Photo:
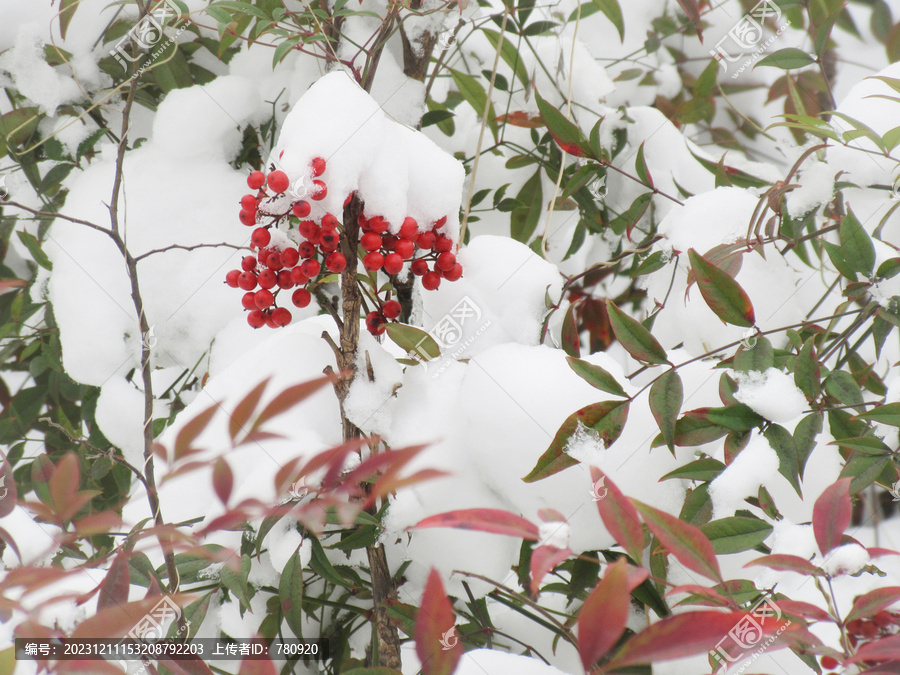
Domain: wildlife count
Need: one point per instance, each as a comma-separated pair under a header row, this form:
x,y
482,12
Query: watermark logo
x,y
747,35
894,490
448,333
302,188
4,489
748,341
4,193
598,188
599,489
148,339
147,34
748,634
449,639
298,490
446,38
152,626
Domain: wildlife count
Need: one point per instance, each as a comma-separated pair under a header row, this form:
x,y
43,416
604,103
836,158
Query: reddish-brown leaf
x,y
114,589
64,482
687,543
618,515
223,480
831,515
885,649
244,410
873,602
805,610
784,562
114,622
289,398
602,619
520,118
496,521
191,430
710,596
544,559
437,644
692,9
7,537
8,493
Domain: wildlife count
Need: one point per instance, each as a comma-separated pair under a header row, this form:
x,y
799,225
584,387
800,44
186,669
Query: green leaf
x,y
509,54
782,443
865,470
16,127
704,469
805,434
34,247
786,59
841,385
236,581
635,338
596,376
666,397
568,136
417,343
524,220
539,27
626,220
836,255
640,165
607,418
435,117
723,294
66,12
614,13
475,96
856,246
736,534
734,417
885,414
290,593
569,333
807,372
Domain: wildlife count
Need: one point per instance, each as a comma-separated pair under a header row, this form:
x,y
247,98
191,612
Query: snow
x,y
846,559
771,394
554,533
816,188
32,76
755,465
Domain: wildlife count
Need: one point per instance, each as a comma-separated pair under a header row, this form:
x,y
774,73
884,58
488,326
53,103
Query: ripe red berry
x,y
373,261
439,223
256,319
248,264
320,190
302,209
263,298
270,322
290,257
318,166
370,241
232,278
393,263
425,240
285,280
409,229
308,229
446,261
301,297
454,273
419,267
247,281
405,248
267,279
273,261
278,181
260,237
248,301
363,222
329,242
378,225
829,662
306,250
256,180
311,268
263,255
336,262
248,203
248,218
298,277
375,323
431,281
281,316
443,244
329,221
883,619
388,242
391,309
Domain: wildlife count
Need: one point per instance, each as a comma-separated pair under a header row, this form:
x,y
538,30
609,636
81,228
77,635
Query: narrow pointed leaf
x,y
544,559
856,245
483,520
618,515
784,562
684,541
635,338
723,294
223,480
437,645
190,431
873,602
596,376
566,134
831,515
666,397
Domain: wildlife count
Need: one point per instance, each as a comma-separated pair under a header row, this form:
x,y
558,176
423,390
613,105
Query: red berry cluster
x,y
265,275
882,624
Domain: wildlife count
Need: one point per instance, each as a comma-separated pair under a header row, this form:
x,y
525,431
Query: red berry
x,y
311,268
247,281
425,240
373,261
348,198
281,316
263,255
298,277
248,203
270,322
248,264
431,281
256,319
454,273
855,627
393,263
267,279
328,239
278,181
318,166
302,209
419,267
375,323
308,229
285,280
329,221
869,630
409,229
249,300
248,218
388,242
405,248
260,237
232,278
446,261
443,244
829,662
320,190
362,221
273,261
301,297
256,180
391,309
290,257
336,262
370,241
263,298
378,225
306,250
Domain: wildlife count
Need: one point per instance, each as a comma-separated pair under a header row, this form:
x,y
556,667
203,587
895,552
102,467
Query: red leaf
x,y
602,619
618,515
437,644
831,515
243,410
884,649
496,521
804,609
7,537
114,622
520,118
687,543
191,430
692,9
873,602
786,563
712,597
289,398
544,559
114,589
64,482
223,480
8,493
